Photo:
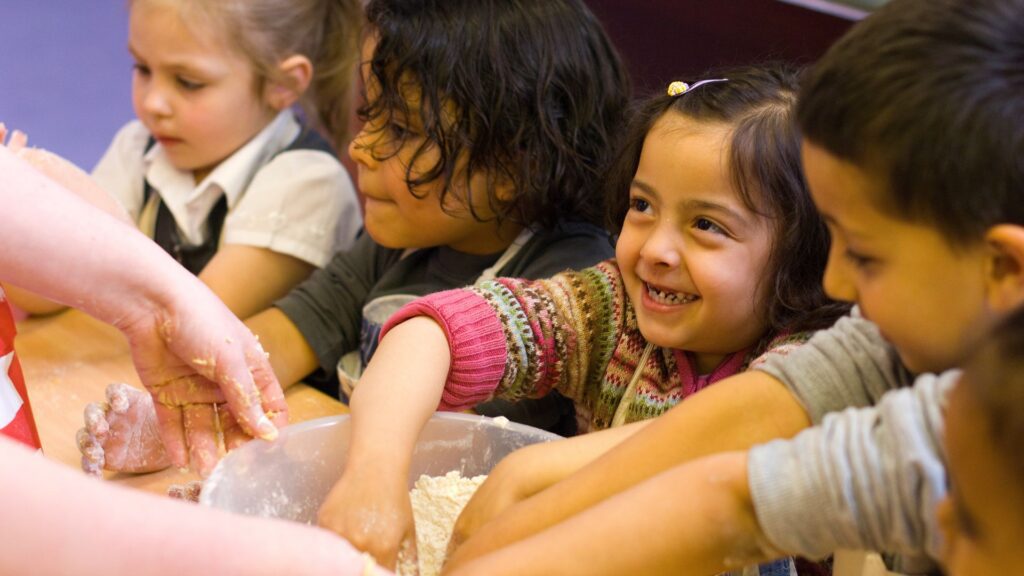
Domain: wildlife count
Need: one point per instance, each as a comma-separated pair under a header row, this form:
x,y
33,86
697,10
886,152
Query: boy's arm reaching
x,y
733,414
290,355
530,470
848,362
693,519
873,477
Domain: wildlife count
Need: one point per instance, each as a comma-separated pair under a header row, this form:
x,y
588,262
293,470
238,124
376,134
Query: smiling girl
x,y
718,263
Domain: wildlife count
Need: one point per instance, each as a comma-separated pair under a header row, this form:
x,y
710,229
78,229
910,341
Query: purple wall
x,y
66,73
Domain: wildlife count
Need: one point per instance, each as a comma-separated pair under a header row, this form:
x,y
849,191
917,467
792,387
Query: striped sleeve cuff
x,y
476,338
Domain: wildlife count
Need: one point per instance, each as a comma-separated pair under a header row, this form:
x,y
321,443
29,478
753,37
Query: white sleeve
x,y
121,170
301,203
867,478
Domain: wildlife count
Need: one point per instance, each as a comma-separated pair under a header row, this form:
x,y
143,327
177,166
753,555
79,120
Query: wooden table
x,y
70,358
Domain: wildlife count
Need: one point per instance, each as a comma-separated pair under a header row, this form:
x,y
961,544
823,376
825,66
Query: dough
x,y
437,502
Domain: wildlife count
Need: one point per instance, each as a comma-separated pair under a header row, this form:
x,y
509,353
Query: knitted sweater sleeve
x,y
521,338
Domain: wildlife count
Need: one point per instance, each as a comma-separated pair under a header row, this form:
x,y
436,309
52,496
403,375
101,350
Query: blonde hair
x,y
269,31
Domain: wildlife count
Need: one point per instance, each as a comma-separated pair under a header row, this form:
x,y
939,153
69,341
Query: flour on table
x,y
437,502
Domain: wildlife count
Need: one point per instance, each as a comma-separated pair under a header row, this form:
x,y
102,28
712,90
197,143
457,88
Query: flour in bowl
x,y
437,502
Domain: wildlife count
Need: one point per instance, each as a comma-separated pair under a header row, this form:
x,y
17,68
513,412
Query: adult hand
x,y
195,357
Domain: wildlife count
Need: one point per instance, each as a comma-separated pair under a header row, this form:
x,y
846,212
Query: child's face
x,y
394,217
927,298
196,97
983,516
692,254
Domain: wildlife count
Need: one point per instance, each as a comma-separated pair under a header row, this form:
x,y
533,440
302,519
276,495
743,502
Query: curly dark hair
x,y
928,97
764,164
529,92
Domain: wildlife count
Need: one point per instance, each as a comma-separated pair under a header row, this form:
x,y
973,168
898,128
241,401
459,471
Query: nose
x,y
153,100
662,247
359,149
837,280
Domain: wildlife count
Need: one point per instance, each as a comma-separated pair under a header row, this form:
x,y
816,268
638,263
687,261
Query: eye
x,y
140,69
858,260
189,85
398,132
639,205
707,226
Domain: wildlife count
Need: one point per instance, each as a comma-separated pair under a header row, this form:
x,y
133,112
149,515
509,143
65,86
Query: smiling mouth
x,y
669,298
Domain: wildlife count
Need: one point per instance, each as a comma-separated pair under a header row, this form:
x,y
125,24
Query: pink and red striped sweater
x,y
575,332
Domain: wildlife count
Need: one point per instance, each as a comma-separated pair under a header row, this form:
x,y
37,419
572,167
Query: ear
x,y
1005,270
294,74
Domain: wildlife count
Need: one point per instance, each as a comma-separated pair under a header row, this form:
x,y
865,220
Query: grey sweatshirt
x,y
873,473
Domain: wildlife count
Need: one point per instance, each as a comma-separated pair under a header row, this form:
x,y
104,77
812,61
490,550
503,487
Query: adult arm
x,y
73,179
57,522
186,346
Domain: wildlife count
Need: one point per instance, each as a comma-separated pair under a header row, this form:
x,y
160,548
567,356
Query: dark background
x,y
66,71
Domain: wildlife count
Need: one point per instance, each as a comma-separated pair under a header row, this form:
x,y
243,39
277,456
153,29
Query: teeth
x,y
668,297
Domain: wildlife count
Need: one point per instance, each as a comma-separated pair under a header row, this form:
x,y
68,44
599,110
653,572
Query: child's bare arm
x,y
249,279
290,354
735,413
397,394
693,519
528,471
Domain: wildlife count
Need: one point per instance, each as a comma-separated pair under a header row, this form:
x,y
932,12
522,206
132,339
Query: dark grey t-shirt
x,y
328,307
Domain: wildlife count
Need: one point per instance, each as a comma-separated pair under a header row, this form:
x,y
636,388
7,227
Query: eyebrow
x,y
834,225
694,205
182,68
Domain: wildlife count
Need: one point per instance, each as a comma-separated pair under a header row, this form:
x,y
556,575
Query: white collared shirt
x,y
301,203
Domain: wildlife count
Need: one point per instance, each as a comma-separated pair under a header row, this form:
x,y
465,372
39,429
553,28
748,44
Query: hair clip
x,y
676,88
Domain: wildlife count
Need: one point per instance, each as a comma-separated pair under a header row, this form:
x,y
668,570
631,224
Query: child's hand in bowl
x,y
371,508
